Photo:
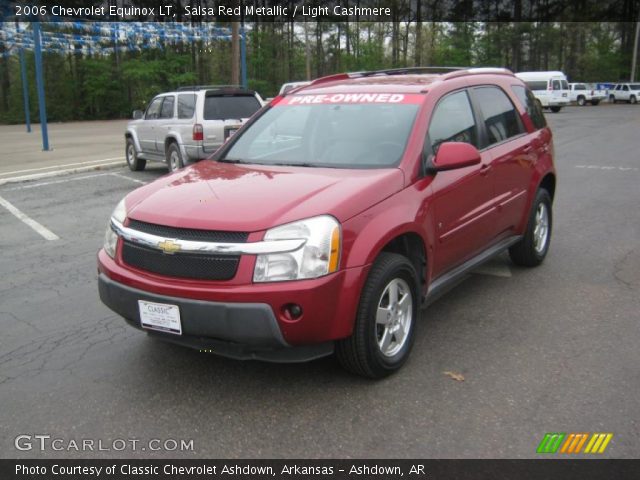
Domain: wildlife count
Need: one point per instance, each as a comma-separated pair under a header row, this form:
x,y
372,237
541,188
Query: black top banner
x,y
197,11
581,469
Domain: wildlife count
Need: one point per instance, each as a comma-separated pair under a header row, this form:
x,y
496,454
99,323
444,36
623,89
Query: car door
x,y
146,130
462,198
625,93
512,155
165,121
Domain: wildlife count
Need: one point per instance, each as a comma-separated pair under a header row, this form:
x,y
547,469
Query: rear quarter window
x,y
530,105
537,85
501,119
186,105
230,107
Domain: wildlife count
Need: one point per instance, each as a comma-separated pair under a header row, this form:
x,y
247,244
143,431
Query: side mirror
x,y
137,114
452,155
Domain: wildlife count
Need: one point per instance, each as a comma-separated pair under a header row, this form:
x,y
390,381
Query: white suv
x,y
187,125
626,92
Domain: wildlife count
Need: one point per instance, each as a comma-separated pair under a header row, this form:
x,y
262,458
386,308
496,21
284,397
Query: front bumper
x,y
237,330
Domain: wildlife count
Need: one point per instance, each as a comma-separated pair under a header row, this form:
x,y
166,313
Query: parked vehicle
x,y
581,93
550,88
625,92
333,214
187,125
286,87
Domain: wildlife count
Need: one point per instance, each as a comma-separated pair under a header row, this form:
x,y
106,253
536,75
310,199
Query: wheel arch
x,y
548,182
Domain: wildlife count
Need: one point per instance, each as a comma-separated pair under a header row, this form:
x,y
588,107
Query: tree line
x,y
85,87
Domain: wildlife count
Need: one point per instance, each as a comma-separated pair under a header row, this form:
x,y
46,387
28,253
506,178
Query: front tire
x,y
131,154
385,325
532,249
174,158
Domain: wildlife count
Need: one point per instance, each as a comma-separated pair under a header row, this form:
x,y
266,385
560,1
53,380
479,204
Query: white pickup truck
x,y
581,93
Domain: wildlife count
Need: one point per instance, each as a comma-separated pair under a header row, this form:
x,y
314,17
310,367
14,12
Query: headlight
x,y
110,238
317,257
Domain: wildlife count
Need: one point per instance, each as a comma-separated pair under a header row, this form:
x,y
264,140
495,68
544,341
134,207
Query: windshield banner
x,y
344,98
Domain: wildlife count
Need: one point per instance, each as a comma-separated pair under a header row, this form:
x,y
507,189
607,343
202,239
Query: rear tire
x,y
556,109
385,324
174,158
581,101
131,154
612,99
633,100
533,248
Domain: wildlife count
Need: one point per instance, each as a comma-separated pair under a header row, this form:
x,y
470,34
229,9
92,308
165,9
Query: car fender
x,y
369,232
176,137
131,132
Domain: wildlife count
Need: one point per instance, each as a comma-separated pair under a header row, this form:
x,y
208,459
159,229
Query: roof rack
x,y
188,88
389,71
448,72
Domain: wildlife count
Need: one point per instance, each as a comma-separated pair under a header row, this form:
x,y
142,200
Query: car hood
x,y
233,197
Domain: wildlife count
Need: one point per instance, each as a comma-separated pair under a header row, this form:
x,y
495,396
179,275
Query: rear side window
x,y
167,107
531,106
537,85
230,107
186,105
153,112
453,121
580,87
500,116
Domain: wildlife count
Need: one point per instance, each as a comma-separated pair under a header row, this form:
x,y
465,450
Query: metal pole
x,y
25,91
40,84
243,55
635,51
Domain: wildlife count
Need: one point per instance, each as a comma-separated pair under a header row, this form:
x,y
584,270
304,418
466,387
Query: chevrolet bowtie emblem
x,y
169,246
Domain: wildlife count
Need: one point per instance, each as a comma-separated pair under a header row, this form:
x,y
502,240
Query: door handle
x,y
484,169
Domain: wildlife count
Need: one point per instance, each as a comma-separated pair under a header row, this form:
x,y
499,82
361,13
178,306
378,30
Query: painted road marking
x,y
54,182
42,230
120,175
609,167
57,173
60,166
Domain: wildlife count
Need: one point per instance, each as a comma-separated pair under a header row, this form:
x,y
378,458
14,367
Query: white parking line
x,y
54,182
57,173
42,230
608,167
60,166
119,175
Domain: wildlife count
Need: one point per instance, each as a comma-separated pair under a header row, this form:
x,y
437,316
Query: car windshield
x,y
235,107
338,131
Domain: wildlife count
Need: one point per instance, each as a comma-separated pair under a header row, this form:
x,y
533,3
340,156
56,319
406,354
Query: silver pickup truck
x,y
187,125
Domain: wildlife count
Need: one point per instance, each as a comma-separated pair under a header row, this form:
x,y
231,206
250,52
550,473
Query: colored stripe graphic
x,y
574,442
598,443
551,442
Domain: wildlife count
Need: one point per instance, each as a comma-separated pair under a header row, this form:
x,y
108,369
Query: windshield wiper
x,y
292,164
231,160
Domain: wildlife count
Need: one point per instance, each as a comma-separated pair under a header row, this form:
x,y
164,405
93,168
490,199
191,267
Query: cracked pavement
x,y
552,349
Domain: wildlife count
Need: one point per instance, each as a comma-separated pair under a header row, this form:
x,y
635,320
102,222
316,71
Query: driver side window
x,y
153,112
453,121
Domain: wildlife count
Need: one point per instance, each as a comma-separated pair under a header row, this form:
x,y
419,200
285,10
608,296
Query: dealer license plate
x,y
160,316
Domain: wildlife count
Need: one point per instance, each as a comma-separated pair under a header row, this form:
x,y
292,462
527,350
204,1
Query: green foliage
x,y
111,86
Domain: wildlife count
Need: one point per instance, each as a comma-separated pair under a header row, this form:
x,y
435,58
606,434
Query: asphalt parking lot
x,y
552,349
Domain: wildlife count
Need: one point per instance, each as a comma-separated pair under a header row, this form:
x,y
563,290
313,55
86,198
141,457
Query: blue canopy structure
x,y
99,38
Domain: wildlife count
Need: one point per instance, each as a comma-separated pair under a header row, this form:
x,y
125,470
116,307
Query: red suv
x,y
338,209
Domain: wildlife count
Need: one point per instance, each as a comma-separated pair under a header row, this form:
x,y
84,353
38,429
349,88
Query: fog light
x,y
292,311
